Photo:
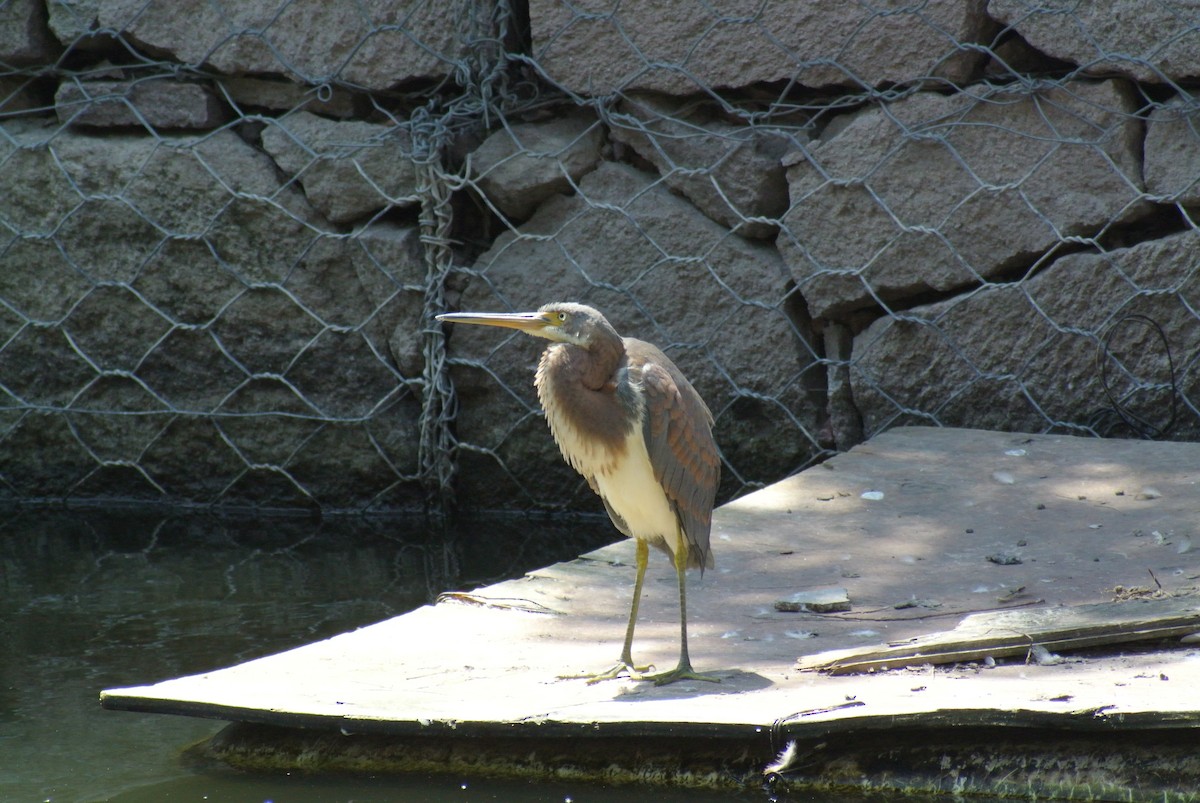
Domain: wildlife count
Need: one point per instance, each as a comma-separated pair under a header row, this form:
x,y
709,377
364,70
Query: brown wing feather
x,y
678,431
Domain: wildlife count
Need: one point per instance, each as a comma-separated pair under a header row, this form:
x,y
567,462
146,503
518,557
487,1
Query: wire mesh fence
x,y
225,229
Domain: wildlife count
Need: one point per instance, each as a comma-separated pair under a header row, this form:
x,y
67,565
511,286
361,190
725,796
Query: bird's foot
x,y
617,670
681,672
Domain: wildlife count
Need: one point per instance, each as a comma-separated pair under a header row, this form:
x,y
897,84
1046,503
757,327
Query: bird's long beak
x,y
532,322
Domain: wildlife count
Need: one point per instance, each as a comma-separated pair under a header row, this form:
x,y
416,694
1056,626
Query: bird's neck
x,y
594,367
588,414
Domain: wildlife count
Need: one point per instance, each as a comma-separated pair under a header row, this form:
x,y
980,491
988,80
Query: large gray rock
x,y
186,281
38,194
159,104
375,44
730,173
24,37
1147,41
108,200
685,48
37,282
217,348
523,164
72,20
177,183
1023,357
1172,152
935,193
348,169
660,271
148,188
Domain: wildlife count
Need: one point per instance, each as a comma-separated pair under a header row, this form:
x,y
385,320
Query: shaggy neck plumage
x,y
578,388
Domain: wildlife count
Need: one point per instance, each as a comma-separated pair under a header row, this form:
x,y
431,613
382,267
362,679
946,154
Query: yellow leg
x,y
624,665
684,670
643,558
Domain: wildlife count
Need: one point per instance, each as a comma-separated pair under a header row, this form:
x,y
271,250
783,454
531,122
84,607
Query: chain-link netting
x,y
225,228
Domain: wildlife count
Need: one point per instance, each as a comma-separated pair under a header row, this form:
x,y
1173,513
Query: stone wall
x,y
225,228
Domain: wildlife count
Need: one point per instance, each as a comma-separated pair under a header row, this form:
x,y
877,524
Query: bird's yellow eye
x,y
562,317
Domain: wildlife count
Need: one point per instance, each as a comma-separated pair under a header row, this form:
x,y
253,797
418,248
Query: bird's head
x,y
561,321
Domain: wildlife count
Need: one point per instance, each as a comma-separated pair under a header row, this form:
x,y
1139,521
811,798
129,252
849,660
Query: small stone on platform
x,y
816,600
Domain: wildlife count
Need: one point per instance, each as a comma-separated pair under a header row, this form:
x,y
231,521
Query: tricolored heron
x,y
628,420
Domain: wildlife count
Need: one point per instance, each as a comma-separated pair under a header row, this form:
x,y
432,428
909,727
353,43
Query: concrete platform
x,y
920,526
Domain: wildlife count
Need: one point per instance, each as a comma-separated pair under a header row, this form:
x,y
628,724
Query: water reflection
x,y
103,599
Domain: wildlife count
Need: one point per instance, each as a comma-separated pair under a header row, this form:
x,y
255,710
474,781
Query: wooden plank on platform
x,y
1002,634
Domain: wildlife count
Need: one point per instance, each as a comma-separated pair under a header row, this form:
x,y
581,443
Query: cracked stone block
x,y
684,48
159,104
348,169
24,36
1023,357
520,166
1173,151
730,173
1149,41
374,44
937,193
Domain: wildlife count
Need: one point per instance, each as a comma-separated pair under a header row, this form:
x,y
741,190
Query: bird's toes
x,y
680,673
621,669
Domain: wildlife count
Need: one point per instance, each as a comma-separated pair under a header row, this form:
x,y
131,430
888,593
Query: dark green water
x,y
96,600
90,601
